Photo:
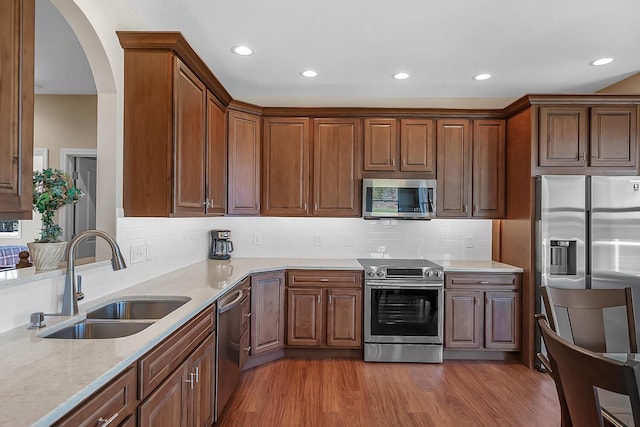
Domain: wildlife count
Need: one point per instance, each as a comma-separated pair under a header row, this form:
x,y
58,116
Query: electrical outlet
x,y
317,241
138,253
381,249
468,242
257,239
348,240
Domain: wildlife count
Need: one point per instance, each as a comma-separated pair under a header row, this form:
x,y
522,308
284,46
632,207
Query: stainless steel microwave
x,y
399,198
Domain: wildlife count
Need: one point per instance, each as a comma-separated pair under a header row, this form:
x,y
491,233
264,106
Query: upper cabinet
x,y
471,168
307,173
286,150
244,163
174,129
412,149
17,19
587,138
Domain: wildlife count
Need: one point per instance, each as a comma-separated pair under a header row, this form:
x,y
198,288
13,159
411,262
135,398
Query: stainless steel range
x,y
403,312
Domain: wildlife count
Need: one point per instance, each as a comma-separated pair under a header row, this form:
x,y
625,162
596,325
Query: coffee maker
x,y
221,246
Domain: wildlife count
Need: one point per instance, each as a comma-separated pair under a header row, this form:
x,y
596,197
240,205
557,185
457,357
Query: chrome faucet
x,y
69,299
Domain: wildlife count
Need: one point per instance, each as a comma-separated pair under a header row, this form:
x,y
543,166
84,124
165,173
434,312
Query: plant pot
x,y
46,256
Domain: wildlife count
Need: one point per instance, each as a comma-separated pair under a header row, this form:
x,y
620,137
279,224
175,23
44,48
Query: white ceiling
x,y
541,46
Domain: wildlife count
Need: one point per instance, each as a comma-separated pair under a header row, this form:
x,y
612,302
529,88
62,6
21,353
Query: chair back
x,y
585,313
581,371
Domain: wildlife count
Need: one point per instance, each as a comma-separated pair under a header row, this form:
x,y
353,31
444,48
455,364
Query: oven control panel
x,y
409,273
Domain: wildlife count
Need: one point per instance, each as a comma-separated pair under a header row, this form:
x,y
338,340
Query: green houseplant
x,y
52,189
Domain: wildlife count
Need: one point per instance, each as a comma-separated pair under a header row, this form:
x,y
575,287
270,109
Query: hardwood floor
x,y
295,392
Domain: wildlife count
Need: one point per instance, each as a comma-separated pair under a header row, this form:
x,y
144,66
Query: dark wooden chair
x,y
584,310
580,371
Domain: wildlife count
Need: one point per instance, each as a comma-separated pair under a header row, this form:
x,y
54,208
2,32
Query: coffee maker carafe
x,y
221,246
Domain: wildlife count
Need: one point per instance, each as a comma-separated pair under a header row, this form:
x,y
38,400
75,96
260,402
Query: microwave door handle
x,y
430,199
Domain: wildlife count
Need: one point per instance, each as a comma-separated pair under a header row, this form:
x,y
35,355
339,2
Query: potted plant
x,y
52,189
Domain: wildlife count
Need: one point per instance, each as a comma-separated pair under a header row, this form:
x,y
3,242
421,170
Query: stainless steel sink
x,y
99,330
134,309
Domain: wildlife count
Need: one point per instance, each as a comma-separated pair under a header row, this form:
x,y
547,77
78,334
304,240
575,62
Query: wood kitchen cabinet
x,y
471,168
267,312
244,163
17,18
336,167
290,152
324,309
412,149
585,137
482,311
117,400
286,148
175,121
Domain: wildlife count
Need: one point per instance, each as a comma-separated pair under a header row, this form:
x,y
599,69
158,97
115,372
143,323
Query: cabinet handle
x,y
247,315
484,282
594,155
305,206
197,374
581,156
191,381
104,422
318,298
324,280
393,162
330,299
211,203
466,208
404,162
315,206
475,300
247,349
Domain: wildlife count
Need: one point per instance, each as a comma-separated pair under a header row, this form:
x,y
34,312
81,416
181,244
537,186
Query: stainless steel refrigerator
x,y
588,236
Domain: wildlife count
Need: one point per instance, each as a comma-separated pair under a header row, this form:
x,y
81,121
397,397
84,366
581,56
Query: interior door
x,y
84,212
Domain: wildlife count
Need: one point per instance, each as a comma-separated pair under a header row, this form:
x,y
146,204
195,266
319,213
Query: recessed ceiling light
x,y
602,61
309,73
401,76
242,50
482,76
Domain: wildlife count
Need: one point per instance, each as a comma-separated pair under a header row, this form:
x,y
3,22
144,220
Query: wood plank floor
x,y
296,392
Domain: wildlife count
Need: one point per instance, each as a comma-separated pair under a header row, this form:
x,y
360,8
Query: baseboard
x,y
324,353
479,355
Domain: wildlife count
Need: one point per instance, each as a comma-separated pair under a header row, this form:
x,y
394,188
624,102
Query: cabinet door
x,y
562,139
614,136
190,96
304,323
201,367
380,144
488,168
336,167
168,405
502,320
453,168
418,146
16,101
244,164
463,325
344,318
285,177
216,157
267,312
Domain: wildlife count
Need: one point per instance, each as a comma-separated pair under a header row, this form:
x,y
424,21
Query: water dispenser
x,y
562,260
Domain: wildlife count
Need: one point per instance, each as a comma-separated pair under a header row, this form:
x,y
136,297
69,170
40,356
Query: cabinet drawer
x,y
333,278
156,365
116,399
482,281
245,308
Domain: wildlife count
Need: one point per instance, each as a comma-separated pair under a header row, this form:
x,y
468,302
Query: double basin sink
x,y
120,318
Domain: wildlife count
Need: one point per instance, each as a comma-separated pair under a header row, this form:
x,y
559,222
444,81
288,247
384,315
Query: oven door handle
x,y
402,286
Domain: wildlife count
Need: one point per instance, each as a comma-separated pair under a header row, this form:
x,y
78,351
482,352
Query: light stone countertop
x,y
479,266
42,379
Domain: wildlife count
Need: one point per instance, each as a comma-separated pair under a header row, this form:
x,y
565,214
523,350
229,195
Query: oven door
x,y
403,313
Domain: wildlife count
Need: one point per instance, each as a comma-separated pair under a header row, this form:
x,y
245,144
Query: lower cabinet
x,y
186,397
482,311
324,309
267,312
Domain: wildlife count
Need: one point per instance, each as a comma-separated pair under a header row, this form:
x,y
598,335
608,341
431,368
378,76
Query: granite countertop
x,y
42,379
480,266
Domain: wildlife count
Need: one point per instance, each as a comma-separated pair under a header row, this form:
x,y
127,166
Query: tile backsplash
x,y
155,246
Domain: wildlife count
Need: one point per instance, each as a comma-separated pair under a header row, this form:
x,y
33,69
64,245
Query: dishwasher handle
x,y
226,306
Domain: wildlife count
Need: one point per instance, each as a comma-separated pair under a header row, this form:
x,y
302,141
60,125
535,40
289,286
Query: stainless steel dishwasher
x,y
229,329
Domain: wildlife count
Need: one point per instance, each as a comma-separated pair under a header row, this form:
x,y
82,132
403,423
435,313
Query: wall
x,y
628,86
